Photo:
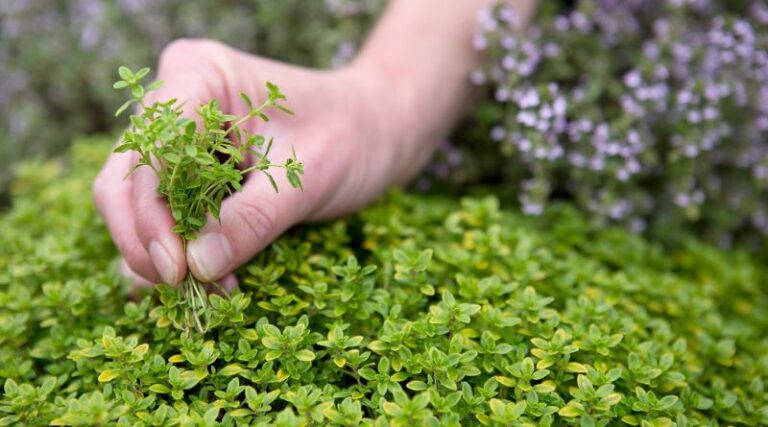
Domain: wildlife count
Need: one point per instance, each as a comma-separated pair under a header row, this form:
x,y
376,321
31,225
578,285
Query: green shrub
x,y
417,311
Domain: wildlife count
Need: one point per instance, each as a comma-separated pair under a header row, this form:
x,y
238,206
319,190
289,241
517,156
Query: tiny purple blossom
x,y
508,62
508,42
477,77
498,133
502,94
529,98
632,79
479,42
508,15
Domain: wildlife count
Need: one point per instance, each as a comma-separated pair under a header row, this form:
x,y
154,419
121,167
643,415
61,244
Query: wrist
x,y
388,98
407,126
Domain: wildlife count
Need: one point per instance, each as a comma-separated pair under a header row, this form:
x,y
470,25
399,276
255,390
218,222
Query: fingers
x,y
188,76
250,220
191,73
112,196
136,215
225,286
139,221
154,227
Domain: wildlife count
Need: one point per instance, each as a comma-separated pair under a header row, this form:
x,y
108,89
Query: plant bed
x,y
420,310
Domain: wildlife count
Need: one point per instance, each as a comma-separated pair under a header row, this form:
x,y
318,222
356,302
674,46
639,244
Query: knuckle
x,y
141,218
258,218
184,48
178,47
147,222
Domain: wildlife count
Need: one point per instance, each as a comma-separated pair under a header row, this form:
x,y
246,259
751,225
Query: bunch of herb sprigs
x,y
196,168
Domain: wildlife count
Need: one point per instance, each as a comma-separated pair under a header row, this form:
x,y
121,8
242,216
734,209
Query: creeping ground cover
x,y
417,311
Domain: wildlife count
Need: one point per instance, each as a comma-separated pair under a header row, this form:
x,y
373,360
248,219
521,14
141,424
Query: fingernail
x,y
163,262
211,254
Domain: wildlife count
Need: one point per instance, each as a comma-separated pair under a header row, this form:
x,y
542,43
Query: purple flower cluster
x,y
540,120
645,112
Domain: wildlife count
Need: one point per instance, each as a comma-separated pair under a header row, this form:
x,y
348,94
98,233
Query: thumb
x,y
250,220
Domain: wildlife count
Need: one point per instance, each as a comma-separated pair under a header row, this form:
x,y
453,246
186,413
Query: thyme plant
x,y
651,114
418,311
198,168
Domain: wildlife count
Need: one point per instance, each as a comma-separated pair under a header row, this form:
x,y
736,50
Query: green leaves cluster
x,y
417,311
198,165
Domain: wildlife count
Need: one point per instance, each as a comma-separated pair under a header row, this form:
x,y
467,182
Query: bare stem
x,y
197,303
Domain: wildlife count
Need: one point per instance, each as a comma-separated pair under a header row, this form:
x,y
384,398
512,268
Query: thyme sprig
x,y
199,164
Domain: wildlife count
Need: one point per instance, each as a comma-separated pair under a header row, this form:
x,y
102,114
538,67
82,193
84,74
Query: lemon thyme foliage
x,y
199,165
420,310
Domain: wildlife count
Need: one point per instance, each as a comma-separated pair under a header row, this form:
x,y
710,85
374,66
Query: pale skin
x,y
359,130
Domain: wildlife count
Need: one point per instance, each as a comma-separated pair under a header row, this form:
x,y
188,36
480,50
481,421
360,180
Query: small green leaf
x,y
231,369
247,100
124,107
159,389
108,375
172,158
305,355
191,151
285,109
273,354
10,387
125,73
417,385
154,85
141,73
392,409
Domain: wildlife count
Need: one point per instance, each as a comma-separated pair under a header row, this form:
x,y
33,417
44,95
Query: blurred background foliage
x,y
58,58
652,114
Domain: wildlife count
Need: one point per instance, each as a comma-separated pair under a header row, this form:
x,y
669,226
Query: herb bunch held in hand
x,y
198,168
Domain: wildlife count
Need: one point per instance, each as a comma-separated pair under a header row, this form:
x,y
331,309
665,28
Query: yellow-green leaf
x,y
108,375
237,413
231,369
282,375
159,389
163,322
505,381
377,346
497,406
249,334
545,387
392,409
140,350
576,367
572,409
305,355
611,399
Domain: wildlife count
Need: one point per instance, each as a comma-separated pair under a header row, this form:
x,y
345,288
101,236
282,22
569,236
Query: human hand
x,y
348,131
